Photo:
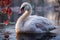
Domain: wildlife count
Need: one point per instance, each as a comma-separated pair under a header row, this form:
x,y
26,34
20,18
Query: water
x,y
40,36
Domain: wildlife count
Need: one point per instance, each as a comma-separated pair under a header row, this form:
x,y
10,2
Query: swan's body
x,y
32,23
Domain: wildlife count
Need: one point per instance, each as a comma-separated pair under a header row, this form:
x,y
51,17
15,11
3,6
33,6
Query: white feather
x,y
34,23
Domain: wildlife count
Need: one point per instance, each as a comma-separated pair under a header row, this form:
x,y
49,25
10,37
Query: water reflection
x,y
12,35
2,28
40,36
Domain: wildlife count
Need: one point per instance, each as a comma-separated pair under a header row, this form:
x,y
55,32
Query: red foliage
x,y
7,11
6,22
6,2
4,10
1,3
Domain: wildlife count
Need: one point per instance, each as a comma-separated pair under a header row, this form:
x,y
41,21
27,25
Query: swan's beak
x,y
21,11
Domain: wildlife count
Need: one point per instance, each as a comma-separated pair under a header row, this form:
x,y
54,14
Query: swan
x,y
28,23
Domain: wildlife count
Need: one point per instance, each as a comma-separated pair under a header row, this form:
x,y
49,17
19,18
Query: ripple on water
x,y
41,36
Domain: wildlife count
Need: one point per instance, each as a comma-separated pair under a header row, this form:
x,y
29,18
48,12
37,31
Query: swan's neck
x,y
20,21
24,16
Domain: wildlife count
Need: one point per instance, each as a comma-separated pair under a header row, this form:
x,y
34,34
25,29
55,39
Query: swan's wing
x,y
45,24
29,25
38,24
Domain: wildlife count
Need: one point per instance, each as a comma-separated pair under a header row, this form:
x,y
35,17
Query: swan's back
x,y
39,22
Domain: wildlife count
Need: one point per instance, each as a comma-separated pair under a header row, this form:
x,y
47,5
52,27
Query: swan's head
x,y
25,6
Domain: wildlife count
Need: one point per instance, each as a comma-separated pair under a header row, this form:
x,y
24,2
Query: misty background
x,y
46,8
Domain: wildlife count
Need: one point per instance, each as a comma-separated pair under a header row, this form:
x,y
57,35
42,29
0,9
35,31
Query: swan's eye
x,y
22,8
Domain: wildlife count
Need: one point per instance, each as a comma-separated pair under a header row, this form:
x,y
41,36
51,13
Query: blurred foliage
x,y
3,17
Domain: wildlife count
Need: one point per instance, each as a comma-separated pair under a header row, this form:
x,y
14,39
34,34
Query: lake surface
x,y
40,36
